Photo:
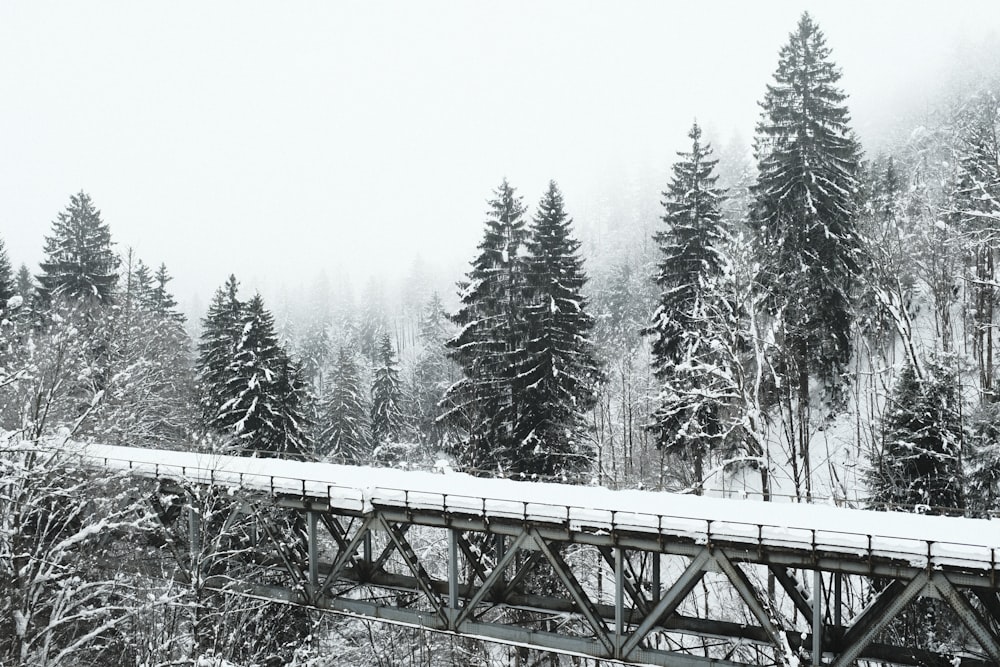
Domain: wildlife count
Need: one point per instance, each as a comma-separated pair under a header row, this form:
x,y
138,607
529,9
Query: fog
x,y
282,140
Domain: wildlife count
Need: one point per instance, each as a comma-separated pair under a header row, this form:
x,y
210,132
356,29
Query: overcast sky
x,y
275,140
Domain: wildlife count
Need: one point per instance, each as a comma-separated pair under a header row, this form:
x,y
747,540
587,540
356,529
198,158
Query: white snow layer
x,y
949,541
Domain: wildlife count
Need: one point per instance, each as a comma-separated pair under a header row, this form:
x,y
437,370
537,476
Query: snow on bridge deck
x,y
968,544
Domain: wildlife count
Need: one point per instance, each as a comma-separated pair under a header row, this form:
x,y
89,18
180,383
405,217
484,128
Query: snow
x,y
15,302
959,542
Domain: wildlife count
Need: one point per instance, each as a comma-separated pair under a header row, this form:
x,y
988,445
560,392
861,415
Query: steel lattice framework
x,y
525,577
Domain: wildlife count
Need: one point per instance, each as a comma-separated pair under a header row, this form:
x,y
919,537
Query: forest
x,y
796,321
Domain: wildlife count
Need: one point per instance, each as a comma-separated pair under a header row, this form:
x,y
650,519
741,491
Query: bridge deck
x,y
946,542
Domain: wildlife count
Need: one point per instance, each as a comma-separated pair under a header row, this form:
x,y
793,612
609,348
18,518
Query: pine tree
x,y
161,301
24,286
7,286
79,263
803,217
919,468
263,414
344,434
432,372
387,418
557,376
490,345
219,337
688,349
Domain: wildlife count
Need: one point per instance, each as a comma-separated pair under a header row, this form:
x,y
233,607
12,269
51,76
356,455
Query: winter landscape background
x,y
765,268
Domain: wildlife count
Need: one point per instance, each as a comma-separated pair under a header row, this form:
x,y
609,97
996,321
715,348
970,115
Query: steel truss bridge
x,y
515,562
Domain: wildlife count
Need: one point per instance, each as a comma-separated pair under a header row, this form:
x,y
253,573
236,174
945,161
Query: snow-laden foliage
x,y
344,435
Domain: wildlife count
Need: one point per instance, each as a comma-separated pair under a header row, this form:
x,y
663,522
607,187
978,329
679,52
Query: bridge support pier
x,y
817,638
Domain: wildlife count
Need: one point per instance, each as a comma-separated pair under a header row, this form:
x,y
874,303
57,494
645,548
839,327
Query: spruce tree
x,y
24,286
489,346
919,467
219,337
559,371
161,301
344,430
7,286
432,372
263,413
688,348
387,418
79,264
803,216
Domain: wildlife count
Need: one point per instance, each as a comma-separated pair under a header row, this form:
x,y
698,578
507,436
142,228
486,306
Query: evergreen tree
x,y
387,418
79,263
432,372
489,347
161,301
919,468
7,286
803,217
688,347
24,286
264,410
217,347
344,434
559,371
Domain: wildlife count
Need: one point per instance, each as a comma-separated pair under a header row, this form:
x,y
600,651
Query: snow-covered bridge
x,y
592,572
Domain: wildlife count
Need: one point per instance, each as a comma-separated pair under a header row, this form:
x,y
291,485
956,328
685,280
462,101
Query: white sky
x,y
276,140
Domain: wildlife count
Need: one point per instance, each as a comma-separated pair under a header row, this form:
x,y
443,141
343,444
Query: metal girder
x,y
580,597
629,581
748,592
346,554
492,580
672,599
876,617
969,616
791,587
412,562
471,558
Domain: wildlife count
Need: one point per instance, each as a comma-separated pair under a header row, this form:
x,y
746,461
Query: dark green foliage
x,y
79,263
557,377
804,207
264,411
489,346
919,468
343,415
688,330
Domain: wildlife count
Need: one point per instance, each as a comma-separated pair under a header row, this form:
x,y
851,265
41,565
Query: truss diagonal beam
x,y
474,560
346,555
338,532
748,592
294,568
412,562
494,578
522,571
876,617
969,616
387,552
629,580
791,587
990,602
668,604
569,580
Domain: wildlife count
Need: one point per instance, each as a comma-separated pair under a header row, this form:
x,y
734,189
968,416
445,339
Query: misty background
x,y
327,143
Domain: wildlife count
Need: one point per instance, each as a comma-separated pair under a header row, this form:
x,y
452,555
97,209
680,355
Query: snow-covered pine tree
x,y
7,286
217,347
161,301
557,376
387,419
344,431
489,346
687,329
263,414
803,216
24,286
79,263
975,212
432,372
919,467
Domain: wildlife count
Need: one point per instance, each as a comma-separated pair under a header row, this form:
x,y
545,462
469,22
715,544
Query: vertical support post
x,y
817,657
194,531
619,601
500,548
311,520
654,596
452,577
838,582
366,553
